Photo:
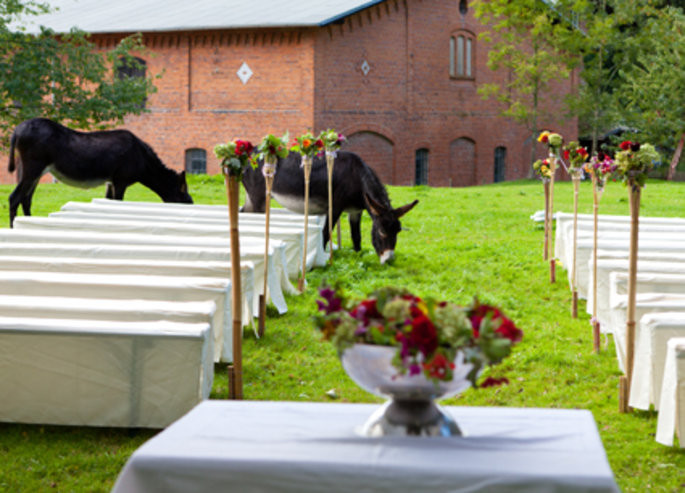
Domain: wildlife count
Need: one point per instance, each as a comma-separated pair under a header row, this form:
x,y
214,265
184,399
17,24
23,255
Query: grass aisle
x,y
460,243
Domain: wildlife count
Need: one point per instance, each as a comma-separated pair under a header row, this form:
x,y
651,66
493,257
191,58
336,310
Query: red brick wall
x,y
408,96
313,78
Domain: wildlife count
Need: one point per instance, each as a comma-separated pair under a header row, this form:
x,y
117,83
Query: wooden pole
x,y
235,380
307,167
269,170
575,176
595,209
624,396
330,161
337,225
552,264
545,256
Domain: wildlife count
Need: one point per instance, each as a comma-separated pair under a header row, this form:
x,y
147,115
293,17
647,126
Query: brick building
x,y
398,77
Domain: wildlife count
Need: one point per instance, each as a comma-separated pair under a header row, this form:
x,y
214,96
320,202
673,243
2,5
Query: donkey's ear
x,y
401,211
182,176
374,207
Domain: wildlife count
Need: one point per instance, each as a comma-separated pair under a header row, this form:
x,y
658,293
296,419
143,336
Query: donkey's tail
x,y
13,142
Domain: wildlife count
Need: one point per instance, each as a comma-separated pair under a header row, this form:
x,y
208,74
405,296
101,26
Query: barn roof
x,y
98,16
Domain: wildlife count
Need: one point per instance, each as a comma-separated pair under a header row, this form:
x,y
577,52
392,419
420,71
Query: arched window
x,y
196,161
462,49
500,164
421,174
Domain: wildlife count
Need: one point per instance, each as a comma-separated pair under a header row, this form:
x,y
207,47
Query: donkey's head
x,y
177,189
386,226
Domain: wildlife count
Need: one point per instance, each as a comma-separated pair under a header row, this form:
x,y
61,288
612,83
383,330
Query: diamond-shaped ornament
x,y
365,67
244,73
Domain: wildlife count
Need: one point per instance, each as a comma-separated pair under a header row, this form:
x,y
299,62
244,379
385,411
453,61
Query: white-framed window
x,y
462,48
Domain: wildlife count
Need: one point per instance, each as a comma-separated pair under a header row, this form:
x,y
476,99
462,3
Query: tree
x,y
64,76
520,42
653,85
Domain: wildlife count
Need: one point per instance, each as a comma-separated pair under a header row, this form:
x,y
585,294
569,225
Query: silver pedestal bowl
x,y
411,408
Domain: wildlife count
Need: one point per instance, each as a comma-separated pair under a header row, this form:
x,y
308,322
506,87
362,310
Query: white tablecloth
x,y
653,332
148,246
672,408
127,286
312,447
102,373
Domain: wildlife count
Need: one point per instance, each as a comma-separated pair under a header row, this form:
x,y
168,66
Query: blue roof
x,y
98,16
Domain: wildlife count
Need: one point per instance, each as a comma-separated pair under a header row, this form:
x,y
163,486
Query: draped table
x,y
304,447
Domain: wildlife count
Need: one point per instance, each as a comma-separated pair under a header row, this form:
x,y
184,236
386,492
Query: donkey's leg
x,y
109,194
28,198
355,229
119,190
18,197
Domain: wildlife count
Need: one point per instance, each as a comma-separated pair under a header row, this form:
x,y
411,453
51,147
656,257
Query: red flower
x,y
494,382
319,143
423,335
625,145
544,138
509,330
582,152
438,366
478,314
366,311
567,155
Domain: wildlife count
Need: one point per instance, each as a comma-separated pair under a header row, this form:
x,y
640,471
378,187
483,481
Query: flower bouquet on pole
x,y
543,169
600,168
633,162
576,156
308,146
235,157
332,141
269,150
554,142
414,351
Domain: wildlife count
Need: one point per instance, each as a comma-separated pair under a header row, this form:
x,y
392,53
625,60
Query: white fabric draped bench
x,y
604,269
131,287
250,224
158,246
212,235
653,333
153,267
672,408
102,373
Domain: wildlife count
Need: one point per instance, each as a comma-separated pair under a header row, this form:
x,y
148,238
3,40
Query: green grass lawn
x,y
459,243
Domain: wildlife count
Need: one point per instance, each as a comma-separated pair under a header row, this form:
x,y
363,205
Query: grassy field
x,y
460,242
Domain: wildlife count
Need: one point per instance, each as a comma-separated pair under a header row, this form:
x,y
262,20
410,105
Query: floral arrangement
x,y
576,156
307,145
427,333
543,169
553,140
331,139
634,161
235,156
602,167
271,148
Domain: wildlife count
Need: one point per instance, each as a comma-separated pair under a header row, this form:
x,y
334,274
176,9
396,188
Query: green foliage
x,y
524,42
457,243
63,76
